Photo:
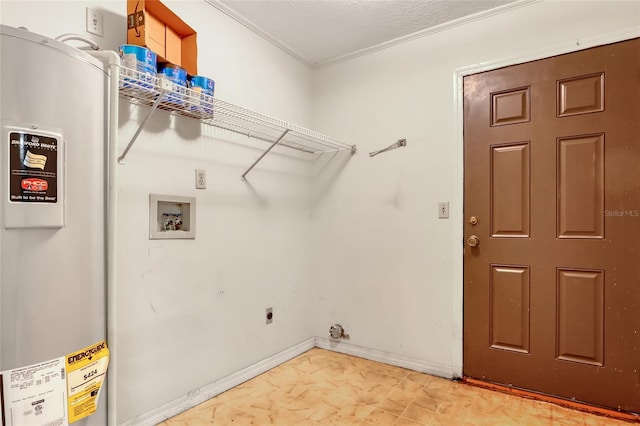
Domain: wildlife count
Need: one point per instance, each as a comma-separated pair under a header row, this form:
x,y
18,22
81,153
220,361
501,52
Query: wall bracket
x,y
277,141
165,86
401,142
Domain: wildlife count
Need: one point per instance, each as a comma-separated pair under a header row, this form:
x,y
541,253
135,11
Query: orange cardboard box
x,y
153,25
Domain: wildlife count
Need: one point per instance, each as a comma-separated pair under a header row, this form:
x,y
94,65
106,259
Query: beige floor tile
x,y
434,419
391,371
332,398
418,413
409,385
239,418
338,421
357,412
561,416
402,396
426,402
388,382
420,378
403,421
370,397
378,387
380,417
393,406
323,413
596,420
367,375
327,388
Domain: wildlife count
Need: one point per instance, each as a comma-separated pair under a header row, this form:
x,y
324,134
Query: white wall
x,y
192,312
54,18
385,266
248,71
364,248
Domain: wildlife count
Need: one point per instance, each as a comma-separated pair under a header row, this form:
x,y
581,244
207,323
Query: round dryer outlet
x,y
336,331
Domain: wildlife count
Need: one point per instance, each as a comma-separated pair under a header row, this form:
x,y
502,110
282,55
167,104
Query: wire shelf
x,y
145,89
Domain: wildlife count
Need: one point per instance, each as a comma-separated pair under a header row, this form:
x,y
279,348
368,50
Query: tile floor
x,y
322,387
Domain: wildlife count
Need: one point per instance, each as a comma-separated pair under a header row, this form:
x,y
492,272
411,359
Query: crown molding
x,y
400,40
428,31
256,29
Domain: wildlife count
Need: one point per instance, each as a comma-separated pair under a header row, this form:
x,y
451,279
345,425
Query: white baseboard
x,y
341,346
206,392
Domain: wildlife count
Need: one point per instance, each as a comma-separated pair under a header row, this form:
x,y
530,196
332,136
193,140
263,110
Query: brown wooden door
x,y
552,174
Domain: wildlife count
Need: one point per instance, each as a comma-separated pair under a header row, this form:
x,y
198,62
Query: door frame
x,y
457,209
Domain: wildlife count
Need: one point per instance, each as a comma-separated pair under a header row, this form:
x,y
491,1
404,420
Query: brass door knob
x,y
473,241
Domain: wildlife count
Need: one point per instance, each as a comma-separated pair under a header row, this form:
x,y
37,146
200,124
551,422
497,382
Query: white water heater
x,y
52,215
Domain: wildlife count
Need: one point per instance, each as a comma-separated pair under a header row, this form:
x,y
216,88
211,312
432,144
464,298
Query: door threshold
x,y
630,417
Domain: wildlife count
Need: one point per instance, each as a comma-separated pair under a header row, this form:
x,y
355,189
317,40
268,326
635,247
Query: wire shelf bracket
x,y
159,93
400,143
164,88
243,177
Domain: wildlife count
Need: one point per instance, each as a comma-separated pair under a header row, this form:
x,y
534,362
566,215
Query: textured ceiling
x,y
321,31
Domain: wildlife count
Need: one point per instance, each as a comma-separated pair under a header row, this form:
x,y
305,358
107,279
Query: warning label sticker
x,y
33,168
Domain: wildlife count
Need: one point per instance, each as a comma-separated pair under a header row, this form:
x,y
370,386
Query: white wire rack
x,y
159,93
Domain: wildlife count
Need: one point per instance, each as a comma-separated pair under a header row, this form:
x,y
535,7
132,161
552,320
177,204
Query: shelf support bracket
x,y
264,153
400,143
163,89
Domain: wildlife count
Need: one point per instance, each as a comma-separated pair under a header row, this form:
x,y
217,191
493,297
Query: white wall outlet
x,y
201,179
443,210
94,22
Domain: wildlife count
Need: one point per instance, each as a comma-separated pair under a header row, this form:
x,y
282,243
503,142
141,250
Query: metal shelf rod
x,y
400,143
264,153
137,133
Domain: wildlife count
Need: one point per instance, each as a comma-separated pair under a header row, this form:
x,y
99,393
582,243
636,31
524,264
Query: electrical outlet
x,y
443,210
269,315
201,179
94,22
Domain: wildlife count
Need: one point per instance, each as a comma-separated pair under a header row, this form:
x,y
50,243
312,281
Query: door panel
x,y
509,298
552,289
510,107
580,316
581,186
510,190
581,95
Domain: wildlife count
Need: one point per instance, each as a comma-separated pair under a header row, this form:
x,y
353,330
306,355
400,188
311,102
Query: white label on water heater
x,y
33,178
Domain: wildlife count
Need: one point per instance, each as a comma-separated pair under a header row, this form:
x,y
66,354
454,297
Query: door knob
x,y
473,241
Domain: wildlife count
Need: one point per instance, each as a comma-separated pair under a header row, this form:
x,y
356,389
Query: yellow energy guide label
x,y
86,371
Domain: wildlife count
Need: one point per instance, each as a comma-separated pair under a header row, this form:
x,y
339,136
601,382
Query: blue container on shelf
x,y
140,66
203,89
178,77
